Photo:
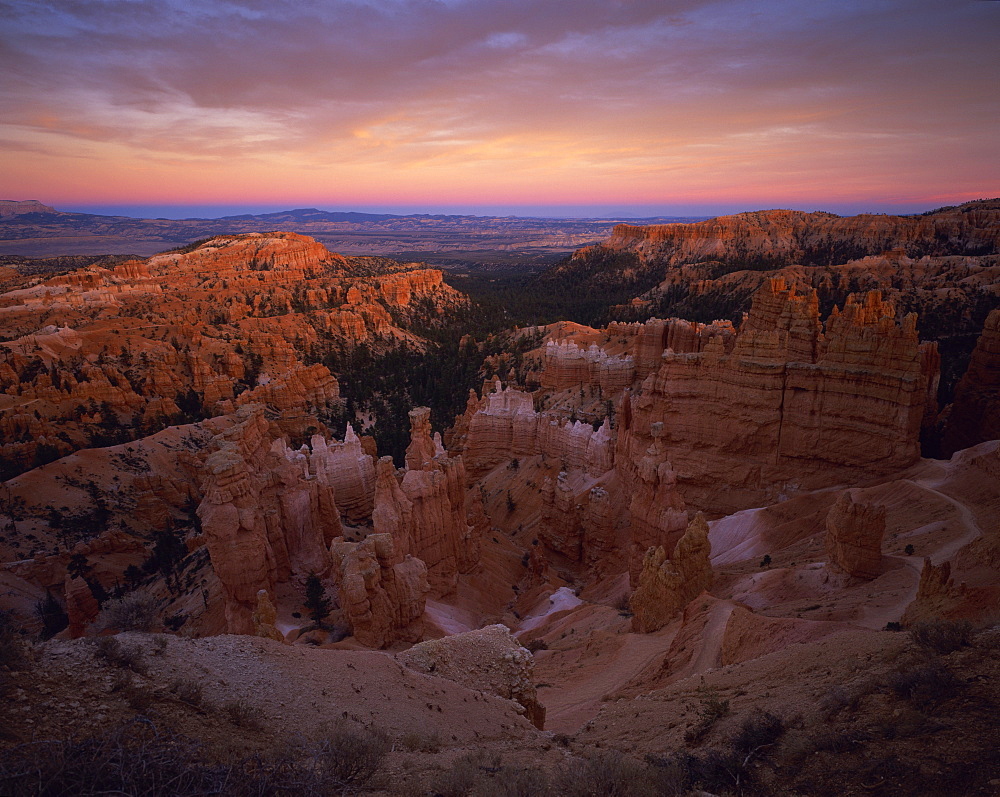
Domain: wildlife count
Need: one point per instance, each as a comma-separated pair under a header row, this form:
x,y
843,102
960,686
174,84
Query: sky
x,y
536,107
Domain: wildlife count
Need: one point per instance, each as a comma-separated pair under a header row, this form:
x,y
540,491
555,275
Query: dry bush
x,y
187,691
712,710
121,681
731,769
462,779
519,782
420,742
832,740
942,636
134,759
761,729
609,774
926,686
116,654
140,760
242,713
136,611
485,775
836,699
673,775
13,648
348,757
139,698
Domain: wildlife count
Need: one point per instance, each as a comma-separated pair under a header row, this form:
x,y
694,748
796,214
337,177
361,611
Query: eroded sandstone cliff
x,y
793,405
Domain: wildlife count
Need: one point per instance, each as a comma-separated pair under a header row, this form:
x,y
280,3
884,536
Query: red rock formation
x,y
236,536
382,594
264,618
300,387
580,521
421,450
489,659
260,253
504,425
789,407
81,605
566,365
440,526
119,352
854,534
12,207
470,550
349,470
425,512
393,513
267,513
666,586
974,416
658,516
938,596
561,528
679,336
796,237
599,531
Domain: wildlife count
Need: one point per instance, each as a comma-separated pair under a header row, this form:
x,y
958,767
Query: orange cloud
x,y
514,101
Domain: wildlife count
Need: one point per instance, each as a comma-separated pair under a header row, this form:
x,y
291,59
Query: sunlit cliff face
x,y
493,102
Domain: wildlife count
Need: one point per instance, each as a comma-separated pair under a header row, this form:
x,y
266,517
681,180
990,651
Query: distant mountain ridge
x,y
33,229
12,207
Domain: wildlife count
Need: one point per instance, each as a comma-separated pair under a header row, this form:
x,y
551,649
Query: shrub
x,y
51,615
419,742
836,699
137,758
609,774
838,741
13,653
712,710
537,644
242,713
187,691
512,781
672,774
316,601
925,686
761,729
116,654
139,698
350,758
942,636
121,681
463,778
136,611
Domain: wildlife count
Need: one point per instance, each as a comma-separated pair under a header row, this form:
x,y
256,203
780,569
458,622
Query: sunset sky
x,y
582,107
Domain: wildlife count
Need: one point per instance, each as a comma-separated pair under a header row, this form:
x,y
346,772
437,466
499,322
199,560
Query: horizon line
x,y
184,211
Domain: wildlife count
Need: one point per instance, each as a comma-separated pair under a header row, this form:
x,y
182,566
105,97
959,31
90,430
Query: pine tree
x,y
316,601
